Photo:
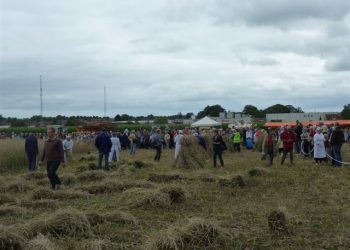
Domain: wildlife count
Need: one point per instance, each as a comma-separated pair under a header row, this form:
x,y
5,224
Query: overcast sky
x,y
162,57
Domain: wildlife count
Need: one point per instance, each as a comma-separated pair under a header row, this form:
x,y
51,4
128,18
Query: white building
x,y
291,117
233,118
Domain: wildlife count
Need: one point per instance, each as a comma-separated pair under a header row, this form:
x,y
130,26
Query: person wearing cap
x,y
68,148
288,138
157,143
319,146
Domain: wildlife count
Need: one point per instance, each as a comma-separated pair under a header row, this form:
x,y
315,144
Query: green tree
x,y
213,111
345,113
294,109
252,110
276,109
161,120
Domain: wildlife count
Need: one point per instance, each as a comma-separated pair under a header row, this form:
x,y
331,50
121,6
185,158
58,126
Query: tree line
x,y
213,111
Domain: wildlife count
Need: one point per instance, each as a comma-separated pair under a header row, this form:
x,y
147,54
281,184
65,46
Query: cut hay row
x,y
41,242
68,179
10,239
235,181
34,175
18,186
164,177
92,175
258,172
98,244
277,221
145,198
110,186
42,193
196,234
65,222
90,166
191,155
4,199
116,217
39,204
153,198
12,210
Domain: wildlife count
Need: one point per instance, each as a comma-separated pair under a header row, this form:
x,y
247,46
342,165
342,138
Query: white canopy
x,y
205,122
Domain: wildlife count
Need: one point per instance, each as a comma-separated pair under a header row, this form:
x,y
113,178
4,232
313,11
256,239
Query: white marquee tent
x,y
205,122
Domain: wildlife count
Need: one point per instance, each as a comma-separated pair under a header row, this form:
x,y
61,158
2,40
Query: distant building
x,y
311,116
233,118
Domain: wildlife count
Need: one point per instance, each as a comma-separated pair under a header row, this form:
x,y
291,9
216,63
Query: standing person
x,y
54,155
178,143
115,149
133,142
319,146
268,145
104,144
217,146
32,150
68,148
156,141
288,138
236,141
305,142
298,132
336,141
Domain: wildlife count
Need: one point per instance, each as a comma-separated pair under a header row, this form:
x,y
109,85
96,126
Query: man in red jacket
x,y
288,137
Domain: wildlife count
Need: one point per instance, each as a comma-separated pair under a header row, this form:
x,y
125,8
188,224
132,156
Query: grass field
x,y
141,204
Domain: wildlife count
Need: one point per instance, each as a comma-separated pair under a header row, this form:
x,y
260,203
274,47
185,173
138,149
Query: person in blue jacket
x,y
104,144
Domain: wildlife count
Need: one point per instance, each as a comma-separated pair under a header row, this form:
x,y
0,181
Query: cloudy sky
x,y
168,56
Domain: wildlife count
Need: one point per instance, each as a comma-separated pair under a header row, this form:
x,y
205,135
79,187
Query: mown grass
x,y
315,201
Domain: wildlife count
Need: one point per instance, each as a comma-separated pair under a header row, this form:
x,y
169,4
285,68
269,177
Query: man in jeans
x,y
336,141
157,142
53,153
104,145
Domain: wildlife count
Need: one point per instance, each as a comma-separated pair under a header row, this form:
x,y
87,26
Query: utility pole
x,y
41,101
104,101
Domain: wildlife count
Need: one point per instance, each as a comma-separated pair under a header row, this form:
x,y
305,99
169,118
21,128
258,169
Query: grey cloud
x,y
341,63
278,13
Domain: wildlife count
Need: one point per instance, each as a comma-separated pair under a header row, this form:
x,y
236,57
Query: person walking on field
x,y
104,144
32,150
116,148
156,141
269,145
68,148
54,155
218,143
288,138
178,143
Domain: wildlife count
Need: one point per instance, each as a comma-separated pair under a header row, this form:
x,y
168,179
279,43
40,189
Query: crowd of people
x,y
318,142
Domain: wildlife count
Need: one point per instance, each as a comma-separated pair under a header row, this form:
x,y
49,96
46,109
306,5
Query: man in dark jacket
x,y
336,141
104,144
32,150
54,155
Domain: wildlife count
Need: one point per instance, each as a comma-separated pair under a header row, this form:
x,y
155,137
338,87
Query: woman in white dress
x,y
319,147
